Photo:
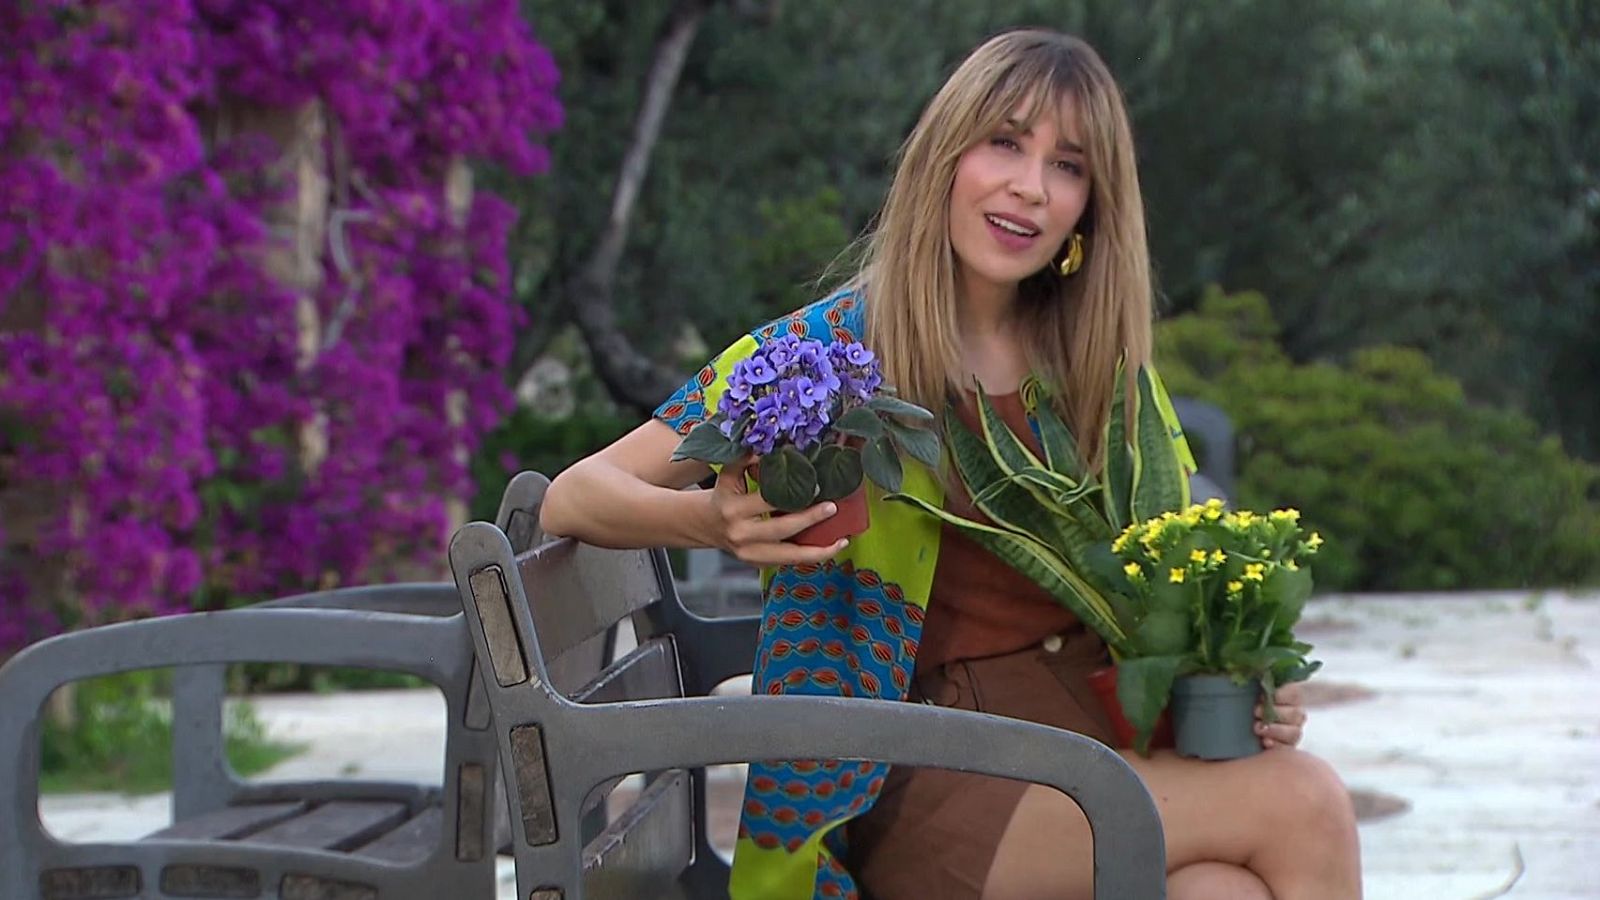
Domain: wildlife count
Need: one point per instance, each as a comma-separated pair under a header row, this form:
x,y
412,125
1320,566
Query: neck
x,y
984,309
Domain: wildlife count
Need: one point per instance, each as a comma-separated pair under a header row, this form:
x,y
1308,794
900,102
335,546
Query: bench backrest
x,y
576,596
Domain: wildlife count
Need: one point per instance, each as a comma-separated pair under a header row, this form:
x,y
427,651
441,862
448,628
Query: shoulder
x,y
840,316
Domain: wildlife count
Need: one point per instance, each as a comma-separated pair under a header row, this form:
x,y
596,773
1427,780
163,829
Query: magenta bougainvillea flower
x,y
154,378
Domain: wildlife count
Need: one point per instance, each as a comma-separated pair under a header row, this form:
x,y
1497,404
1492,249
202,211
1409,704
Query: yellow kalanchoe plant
x,y
1220,593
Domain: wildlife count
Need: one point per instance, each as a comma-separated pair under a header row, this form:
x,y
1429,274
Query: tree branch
x,y
630,376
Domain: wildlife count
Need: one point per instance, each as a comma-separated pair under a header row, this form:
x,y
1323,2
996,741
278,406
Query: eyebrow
x,y
1063,145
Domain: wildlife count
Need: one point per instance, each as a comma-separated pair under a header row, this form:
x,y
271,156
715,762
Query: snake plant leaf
x,y
788,480
1158,481
920,443
1104,613
1143,686
881,464
860,422
1009,450
1119,461
1060,448
838,472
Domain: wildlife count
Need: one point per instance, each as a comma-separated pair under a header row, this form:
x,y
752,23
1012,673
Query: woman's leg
x,y
1282,814
1216,881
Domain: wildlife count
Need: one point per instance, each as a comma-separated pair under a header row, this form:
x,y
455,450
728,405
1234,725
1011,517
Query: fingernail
x,y
830,509
843,543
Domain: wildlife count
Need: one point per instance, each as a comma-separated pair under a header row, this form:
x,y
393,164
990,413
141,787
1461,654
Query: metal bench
x,y
569,728
314,840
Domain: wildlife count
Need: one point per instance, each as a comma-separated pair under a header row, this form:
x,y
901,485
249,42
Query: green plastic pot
x,y
1214,718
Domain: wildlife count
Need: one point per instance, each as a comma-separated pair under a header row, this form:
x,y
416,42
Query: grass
x,y
120,739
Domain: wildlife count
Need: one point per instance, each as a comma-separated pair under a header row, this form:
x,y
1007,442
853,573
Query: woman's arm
x,y
631,494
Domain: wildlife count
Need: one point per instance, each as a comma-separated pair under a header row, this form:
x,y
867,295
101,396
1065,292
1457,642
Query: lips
x,y
1018,225
1012,233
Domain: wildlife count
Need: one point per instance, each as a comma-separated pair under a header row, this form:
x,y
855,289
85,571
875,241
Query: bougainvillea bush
x,y
156,384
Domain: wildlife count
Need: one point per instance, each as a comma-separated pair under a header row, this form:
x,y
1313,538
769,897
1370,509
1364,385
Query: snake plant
x,y
1054,518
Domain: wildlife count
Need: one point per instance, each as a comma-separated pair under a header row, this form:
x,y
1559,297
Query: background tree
x,y
1415,173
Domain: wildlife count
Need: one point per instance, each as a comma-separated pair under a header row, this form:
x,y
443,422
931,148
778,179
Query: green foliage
x,y
120,738
1416,173
527,440
1414,487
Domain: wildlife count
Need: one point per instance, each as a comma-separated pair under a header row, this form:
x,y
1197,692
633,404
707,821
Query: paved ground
x,y
1467,725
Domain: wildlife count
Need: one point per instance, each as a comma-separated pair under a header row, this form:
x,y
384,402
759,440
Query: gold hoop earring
x,y
1074,258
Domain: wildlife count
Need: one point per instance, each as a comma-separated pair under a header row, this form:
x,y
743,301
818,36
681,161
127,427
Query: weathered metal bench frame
x,y
411,628
646,713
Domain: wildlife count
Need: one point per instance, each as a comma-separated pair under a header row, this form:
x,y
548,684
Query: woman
x,y
1011,245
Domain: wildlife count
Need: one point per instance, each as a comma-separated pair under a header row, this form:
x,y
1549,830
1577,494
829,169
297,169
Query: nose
x,y
1027,185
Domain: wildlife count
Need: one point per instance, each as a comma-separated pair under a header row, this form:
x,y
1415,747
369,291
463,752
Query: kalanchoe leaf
x,y
860,422
838,471
1143,686
787,480
920,443
881,464
894,406
707,444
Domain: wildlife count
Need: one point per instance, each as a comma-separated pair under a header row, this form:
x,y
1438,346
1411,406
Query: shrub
x,y
1415,487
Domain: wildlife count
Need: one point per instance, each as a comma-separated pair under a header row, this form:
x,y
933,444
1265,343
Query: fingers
x,y
1288,695
1291,720
783,553
731,479
765,541
1279,735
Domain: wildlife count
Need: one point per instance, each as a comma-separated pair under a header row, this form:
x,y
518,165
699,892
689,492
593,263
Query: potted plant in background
x,y
1056,520
818,416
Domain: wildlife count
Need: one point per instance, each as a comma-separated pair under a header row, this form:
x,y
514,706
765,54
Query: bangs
x,y
1047,77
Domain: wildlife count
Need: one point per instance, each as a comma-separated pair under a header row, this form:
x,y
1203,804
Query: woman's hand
x,y
1290,727
741,528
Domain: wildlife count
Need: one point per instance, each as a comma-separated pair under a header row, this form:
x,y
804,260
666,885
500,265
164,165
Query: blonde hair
x,y
1076,328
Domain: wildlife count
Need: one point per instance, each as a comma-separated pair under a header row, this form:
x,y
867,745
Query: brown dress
x,y
992,641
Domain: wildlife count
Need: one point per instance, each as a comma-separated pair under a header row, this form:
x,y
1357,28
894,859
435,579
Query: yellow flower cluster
x,y
1260,543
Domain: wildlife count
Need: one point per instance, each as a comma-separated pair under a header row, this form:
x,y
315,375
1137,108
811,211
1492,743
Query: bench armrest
x,y
1130,864
417,598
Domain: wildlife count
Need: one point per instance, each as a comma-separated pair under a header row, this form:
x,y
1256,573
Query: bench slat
x,y
410,842
231,823
340,825
577,590
650,672
648,846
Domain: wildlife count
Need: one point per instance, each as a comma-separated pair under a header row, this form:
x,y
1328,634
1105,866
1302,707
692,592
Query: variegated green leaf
x,y
1046,567
1119,462
1159,481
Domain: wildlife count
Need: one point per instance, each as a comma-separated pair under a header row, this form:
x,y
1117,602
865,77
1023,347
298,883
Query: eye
x,y
1071,167
1006,142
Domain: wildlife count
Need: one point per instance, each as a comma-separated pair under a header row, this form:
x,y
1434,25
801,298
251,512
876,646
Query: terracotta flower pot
x,y
1104,682
850,520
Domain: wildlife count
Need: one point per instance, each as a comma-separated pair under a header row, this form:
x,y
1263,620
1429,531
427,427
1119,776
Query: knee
x,y
1317,804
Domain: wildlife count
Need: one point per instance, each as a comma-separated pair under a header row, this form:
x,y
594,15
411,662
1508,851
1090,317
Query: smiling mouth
x,y
1010,226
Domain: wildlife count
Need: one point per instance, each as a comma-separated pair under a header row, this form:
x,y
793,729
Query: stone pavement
x,y
1466,725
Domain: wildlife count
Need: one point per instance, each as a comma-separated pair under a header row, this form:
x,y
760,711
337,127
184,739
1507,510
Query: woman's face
x,y
1017,195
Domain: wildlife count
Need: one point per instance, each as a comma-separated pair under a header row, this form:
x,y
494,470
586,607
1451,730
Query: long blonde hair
x,y
1076,327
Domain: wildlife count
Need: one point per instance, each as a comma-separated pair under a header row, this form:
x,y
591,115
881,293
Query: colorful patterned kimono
x,y
847,627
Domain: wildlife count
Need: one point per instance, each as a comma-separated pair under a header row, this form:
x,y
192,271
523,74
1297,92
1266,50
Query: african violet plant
x,y
1064,525
818,416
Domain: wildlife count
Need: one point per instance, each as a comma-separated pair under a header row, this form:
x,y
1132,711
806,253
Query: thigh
x,y
1210,812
